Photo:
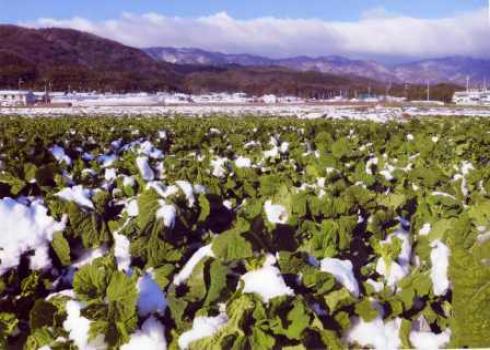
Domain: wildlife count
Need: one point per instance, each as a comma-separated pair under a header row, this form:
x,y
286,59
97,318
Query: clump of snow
x,y
243,162
107,160
202,327
77,194
343,273
276,213
150,337
129,181
425,229
439,257
466,167
218,165
186,271
369,165
375,334
132,208
429,340
168,213
151,298
110,174
273,152
284,148
443,194
121,251
149,150
400,268
188,190
387,172
40,260
266,281
60,155
24,228
377,286
144,168
228,204
78,328
90,255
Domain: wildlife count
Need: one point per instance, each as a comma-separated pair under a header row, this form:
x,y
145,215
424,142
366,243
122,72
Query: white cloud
x,y
377,33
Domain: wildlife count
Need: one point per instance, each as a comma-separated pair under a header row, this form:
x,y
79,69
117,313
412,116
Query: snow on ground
x,y
343,273
24,228
151,298
151,336
77,194
186,271
267,281
300,110
202,327
439,258
375,334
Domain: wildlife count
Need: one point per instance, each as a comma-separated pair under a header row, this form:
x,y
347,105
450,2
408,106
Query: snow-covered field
x,y
304,111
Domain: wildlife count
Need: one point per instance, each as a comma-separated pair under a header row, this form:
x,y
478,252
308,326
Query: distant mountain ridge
x,y
441,70
70,57
65,59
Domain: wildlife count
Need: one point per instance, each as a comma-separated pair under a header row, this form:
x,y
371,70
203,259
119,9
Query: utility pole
x,y
428,90
467,83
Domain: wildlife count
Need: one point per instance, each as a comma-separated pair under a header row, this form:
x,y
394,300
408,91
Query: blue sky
x,y
344,10
389,30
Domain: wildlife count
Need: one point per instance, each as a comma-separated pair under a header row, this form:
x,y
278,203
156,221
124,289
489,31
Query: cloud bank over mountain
x,y
376,34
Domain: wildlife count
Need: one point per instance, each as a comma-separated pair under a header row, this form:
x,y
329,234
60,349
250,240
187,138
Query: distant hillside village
x,y
26,98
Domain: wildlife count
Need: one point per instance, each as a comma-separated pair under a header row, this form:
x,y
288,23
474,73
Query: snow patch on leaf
x,y
266,281
439,257
25,228
343,272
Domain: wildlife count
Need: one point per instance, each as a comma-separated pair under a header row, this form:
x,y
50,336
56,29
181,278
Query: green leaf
x,y
298,320
42,314
338,299
61,248
366,310
16,184
205,208
231,245
148,205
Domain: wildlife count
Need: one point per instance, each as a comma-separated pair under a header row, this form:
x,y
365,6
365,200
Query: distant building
x,y
472,97
10,98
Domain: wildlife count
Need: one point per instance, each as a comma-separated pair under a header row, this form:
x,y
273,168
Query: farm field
x,y
244,233
373,112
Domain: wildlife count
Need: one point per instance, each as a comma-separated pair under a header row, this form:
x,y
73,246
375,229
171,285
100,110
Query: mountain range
x,y
440,70
65,59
